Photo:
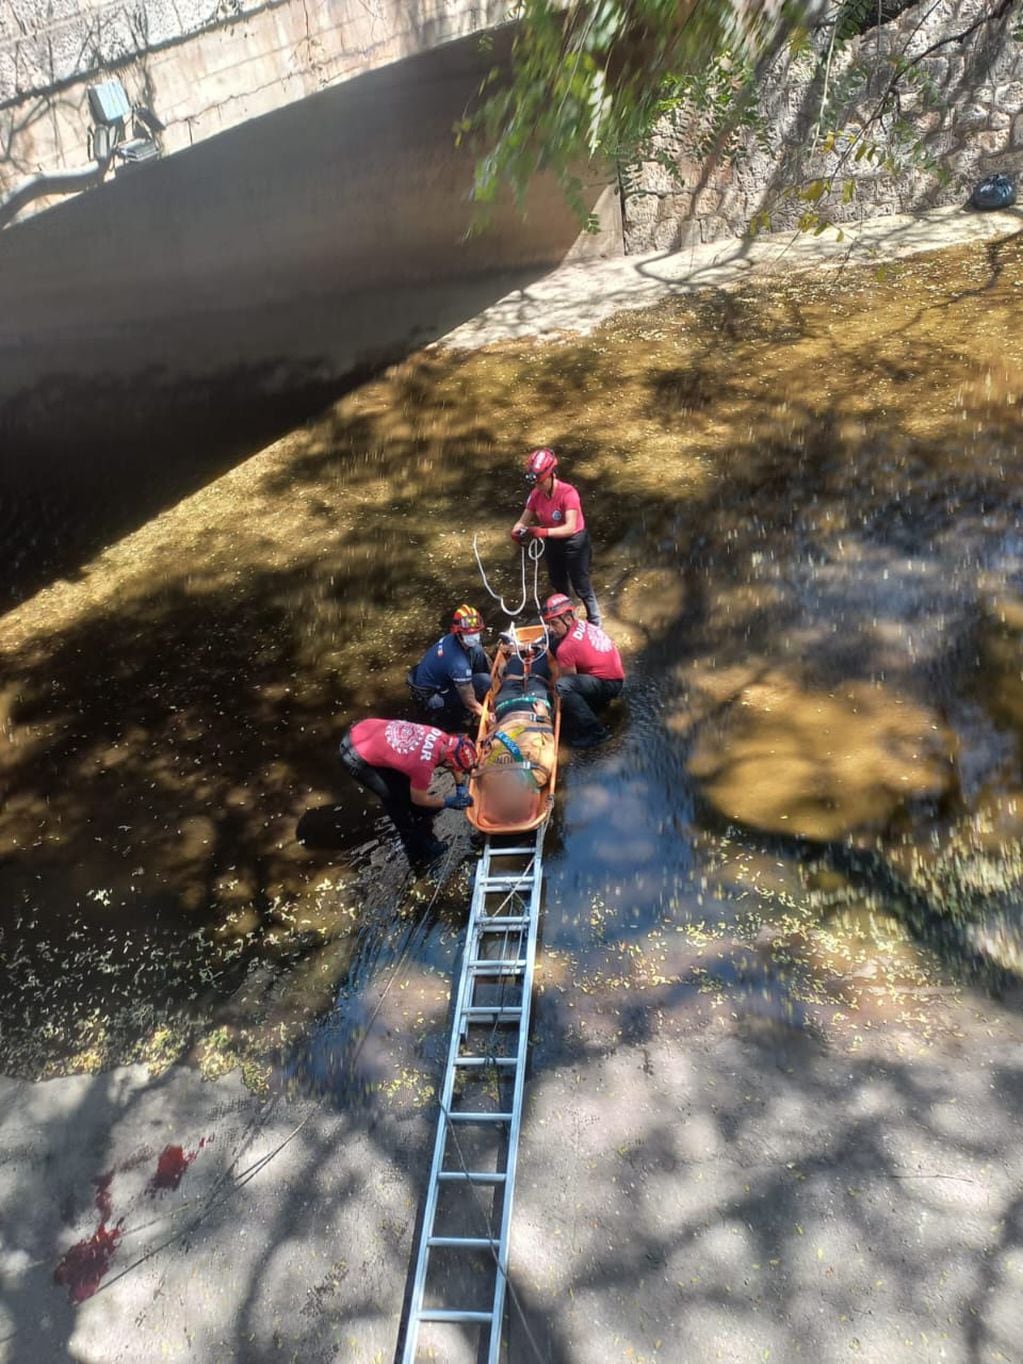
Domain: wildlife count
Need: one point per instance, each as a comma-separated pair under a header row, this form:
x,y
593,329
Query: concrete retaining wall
x,y
978,128
202,65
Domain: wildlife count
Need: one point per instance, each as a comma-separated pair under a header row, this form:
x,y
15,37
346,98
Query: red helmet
x,y
457,751
539,464
558,605
466,621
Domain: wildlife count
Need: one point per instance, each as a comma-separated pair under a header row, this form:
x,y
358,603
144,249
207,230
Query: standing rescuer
x,y
553,513
396,760
453,676
589,671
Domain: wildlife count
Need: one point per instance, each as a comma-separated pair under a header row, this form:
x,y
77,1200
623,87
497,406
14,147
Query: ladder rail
x,y
487,885
511,1164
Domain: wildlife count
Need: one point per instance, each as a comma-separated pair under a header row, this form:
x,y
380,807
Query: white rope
x,y
535,552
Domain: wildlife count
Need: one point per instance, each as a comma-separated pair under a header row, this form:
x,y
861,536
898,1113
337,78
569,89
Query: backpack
x,y
994,191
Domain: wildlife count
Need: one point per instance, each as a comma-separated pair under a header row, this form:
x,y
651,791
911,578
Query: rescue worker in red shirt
x,y
589,671
396,760
553,513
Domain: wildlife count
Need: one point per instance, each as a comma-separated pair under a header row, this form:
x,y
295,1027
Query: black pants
x,y
568,567
446,709
582,698
393,789
515,686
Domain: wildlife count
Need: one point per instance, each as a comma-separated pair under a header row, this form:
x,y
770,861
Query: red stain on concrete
x,y
82,1268
171,1165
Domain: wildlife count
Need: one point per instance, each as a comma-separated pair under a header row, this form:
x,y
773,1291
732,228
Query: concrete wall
x,y
157,330
978,128
202,65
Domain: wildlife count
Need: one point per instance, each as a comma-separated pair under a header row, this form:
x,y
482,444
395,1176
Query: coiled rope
x,y
534,550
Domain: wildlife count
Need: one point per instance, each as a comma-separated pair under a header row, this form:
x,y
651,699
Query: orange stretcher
x,y
542,802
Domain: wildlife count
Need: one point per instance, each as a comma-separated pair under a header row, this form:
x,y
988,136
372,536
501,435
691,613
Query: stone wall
x,y
201,65
978,129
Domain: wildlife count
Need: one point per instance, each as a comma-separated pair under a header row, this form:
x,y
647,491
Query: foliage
x,y
594,82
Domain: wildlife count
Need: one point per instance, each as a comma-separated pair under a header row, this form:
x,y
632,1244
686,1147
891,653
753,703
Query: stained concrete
x,y
709,1190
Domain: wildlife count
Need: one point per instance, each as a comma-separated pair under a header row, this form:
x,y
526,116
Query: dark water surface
x,y
806,504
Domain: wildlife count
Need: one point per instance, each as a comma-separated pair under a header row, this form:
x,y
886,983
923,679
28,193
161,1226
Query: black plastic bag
x,y
994,191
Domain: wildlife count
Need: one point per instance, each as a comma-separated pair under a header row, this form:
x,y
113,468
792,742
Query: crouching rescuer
x,y
589,671
396,760
453,676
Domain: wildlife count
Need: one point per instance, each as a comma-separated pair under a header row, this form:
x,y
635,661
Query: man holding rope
x,y
553,513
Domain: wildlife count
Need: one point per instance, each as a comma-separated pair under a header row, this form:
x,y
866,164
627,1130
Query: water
x,y
805,504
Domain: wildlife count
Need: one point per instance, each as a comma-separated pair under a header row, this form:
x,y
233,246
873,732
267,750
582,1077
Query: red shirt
x,y
590,651
399,744
550,511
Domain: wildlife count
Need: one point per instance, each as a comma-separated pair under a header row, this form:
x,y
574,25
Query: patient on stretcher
x,y
517,755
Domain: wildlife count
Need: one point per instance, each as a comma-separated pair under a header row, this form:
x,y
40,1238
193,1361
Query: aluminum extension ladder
x,y
468,1209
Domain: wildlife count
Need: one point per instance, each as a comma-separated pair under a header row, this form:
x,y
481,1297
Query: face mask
x,y
470,641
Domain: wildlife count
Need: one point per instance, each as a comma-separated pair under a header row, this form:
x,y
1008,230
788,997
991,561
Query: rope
x,y
535,552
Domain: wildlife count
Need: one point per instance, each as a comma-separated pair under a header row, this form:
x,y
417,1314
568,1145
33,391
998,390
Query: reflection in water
x,y
808,815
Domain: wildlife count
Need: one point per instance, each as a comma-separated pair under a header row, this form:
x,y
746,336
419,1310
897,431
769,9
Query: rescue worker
x,y
553,513
396,759
589,671
453,676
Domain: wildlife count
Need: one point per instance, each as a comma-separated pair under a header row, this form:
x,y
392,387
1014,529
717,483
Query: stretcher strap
x,y
511,746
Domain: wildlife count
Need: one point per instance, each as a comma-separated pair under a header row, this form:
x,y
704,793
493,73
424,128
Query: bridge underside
x,y
234,286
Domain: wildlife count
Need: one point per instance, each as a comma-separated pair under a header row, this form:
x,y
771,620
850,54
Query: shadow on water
x,y
803,562
805,828
134,447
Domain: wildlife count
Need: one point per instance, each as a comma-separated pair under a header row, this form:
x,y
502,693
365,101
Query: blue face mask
x,y
470,641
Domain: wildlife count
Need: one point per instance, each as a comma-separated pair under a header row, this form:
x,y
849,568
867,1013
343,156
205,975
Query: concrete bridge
x,y
157,329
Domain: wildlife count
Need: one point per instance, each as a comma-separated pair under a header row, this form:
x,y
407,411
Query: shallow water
x,y
805,500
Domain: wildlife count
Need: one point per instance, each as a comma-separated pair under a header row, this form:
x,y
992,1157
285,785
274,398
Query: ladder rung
x,y
486,1060
465,1116
464,1242
505,879
497,1011
497,966
471,1176
526,849
498,923
453,1314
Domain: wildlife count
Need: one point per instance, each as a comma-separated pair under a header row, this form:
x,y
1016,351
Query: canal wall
x,y
202,66
963,107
